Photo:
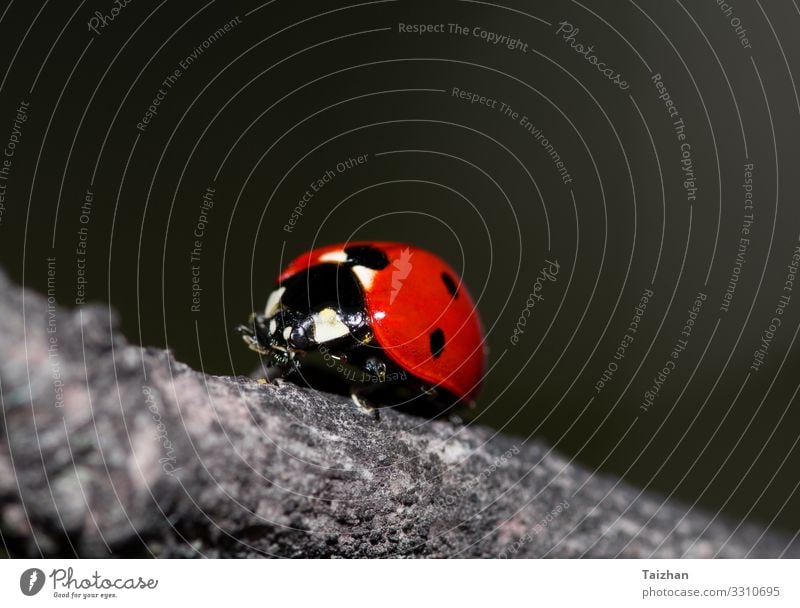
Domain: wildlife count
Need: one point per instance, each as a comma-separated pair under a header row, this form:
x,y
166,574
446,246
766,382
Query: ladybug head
x,y
322,305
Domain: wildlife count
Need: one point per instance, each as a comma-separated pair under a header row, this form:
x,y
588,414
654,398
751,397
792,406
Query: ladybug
x,y
388,323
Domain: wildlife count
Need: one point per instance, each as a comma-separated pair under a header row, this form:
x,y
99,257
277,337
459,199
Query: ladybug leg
x,y
249,337
375,367
430,392
362,403
250,333
372,367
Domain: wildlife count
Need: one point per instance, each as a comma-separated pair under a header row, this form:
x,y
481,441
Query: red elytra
x,y
421,313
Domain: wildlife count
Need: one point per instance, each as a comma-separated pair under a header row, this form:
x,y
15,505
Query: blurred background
x,y
158,152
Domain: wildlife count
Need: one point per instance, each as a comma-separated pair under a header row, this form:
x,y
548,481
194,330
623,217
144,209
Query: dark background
x,y
298,87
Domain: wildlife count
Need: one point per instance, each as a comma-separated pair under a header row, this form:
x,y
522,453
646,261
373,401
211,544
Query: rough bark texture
x,y
137,454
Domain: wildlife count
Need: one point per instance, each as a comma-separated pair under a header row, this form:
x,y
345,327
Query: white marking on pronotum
x,y
273,326
333,256
287,331
365,275
328,326
273,301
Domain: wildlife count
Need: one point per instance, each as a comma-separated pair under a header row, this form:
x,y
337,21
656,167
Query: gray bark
x,y
137,454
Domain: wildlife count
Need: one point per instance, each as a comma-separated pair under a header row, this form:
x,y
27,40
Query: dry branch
x,y
137,454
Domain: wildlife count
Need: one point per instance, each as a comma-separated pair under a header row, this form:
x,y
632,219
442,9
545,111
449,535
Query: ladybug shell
x,y
421,314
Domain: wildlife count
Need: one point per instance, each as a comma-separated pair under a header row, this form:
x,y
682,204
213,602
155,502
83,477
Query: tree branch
x,y
108,448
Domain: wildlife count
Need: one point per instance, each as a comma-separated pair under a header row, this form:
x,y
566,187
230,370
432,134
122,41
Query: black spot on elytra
x,y
450,284
437,342
364,255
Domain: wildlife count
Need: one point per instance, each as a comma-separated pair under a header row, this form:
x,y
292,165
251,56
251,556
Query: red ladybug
x,y
390,323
